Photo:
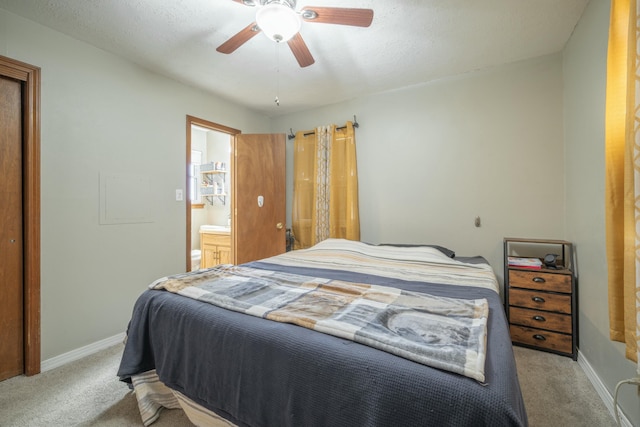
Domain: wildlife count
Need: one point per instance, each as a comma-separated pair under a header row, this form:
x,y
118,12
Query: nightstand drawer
x,y
541,319
540,300
539,338
541,281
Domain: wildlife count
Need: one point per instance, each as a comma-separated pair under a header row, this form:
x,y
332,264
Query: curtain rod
x,y
292,135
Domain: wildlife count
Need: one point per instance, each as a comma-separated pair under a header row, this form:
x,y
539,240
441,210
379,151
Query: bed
x,y
438,353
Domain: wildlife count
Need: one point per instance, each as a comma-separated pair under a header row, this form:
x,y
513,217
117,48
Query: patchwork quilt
x,y
441,332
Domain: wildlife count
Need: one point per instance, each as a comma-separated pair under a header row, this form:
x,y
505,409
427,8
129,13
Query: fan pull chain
x,y
277,100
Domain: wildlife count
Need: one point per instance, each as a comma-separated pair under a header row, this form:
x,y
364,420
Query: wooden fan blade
x,y
339,15
300,51
239,39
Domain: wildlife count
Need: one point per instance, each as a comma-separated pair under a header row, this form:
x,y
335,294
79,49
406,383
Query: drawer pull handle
x,y
537,299
539,337
539,279
539,318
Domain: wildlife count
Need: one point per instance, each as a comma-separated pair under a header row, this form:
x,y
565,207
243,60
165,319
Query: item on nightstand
x,y
551,261
524,262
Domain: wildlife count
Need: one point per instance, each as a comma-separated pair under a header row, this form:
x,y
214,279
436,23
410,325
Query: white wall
x,y
433,157
584,92
101,113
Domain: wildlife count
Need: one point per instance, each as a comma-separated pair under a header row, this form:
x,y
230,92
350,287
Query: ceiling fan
x,y
279,21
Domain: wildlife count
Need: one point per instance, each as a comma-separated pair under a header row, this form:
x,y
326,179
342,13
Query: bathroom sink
x,y
215,228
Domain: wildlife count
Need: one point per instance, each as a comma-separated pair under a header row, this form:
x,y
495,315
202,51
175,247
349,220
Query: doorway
x,y
254,187
20,335
209,195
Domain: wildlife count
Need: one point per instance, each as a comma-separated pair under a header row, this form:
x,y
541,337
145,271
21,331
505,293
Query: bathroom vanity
x,y
215,245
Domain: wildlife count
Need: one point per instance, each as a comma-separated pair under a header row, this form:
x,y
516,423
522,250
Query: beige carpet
x,y
87,393
557,392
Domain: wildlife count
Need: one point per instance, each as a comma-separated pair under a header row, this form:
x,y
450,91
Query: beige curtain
x,y
325,186
622,176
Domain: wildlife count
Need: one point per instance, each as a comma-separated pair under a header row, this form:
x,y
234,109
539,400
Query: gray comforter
x,y
257,372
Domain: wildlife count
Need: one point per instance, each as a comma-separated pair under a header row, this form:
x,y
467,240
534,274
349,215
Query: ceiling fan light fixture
x,y
278,21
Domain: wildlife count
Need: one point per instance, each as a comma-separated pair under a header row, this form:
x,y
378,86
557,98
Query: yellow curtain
x,y
343,207
325,186
304,160
622,176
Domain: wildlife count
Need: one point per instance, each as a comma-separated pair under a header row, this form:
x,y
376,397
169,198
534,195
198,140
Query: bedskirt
x,y
153,396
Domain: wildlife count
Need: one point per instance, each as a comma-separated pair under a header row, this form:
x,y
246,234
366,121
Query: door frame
x,y
191,120
29,75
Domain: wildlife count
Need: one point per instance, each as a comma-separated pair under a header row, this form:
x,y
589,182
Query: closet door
x,y
258,206
20,217
11,267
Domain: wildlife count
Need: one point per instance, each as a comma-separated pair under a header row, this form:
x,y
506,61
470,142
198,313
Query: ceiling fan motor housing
x,y
290,3
278,20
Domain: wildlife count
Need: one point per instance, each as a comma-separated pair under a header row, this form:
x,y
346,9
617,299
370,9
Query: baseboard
x,y
81,352
602,391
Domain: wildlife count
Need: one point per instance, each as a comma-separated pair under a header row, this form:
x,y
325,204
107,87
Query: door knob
x,y
279,226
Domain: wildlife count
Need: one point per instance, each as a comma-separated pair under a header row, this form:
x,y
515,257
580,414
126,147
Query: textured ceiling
x,y
408,42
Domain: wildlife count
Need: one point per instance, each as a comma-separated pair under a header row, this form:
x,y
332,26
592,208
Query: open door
x,y
258,202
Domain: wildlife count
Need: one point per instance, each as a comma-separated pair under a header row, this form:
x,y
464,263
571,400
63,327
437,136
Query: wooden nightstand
x,y
542,304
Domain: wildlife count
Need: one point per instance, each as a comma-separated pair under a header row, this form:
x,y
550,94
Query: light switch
x,y
179,197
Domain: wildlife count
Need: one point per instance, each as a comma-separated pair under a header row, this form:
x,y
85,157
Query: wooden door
x,y
258,228
28,76
11,230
